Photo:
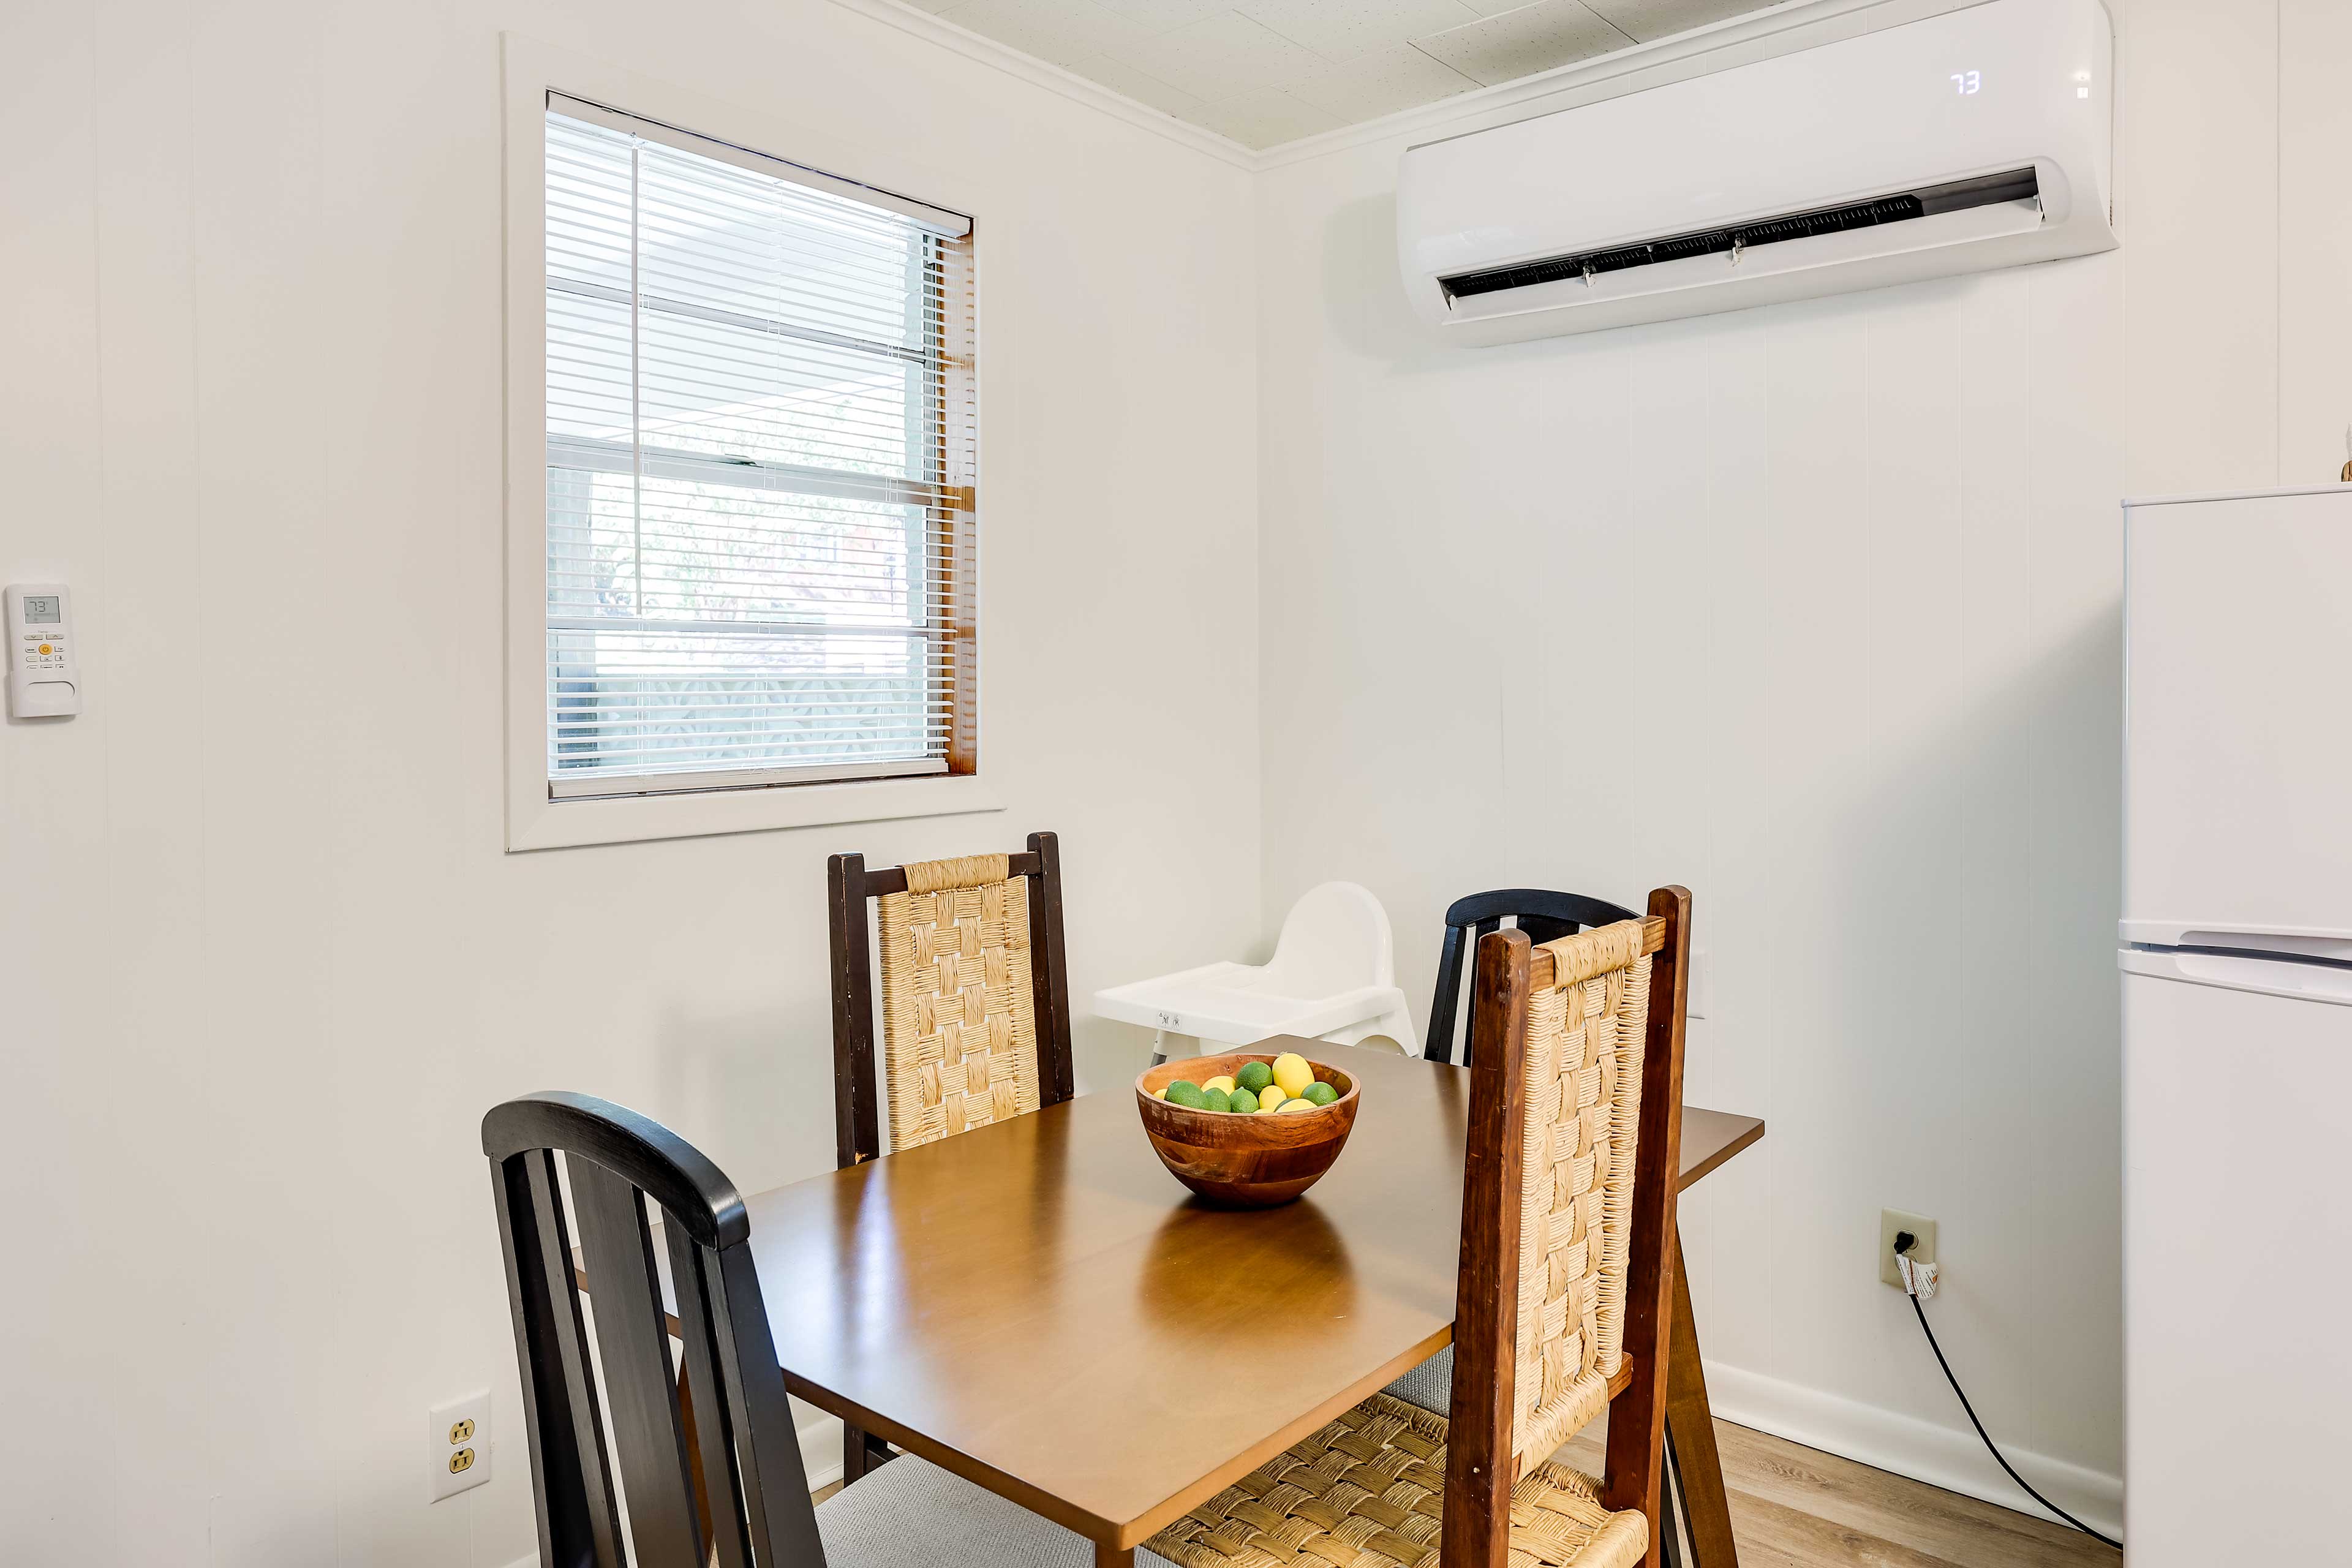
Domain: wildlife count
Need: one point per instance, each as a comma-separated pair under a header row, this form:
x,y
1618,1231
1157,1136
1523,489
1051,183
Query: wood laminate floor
x,y
1793,1507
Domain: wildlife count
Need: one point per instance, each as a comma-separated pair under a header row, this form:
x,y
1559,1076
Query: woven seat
x,y
1429,1385
1369,1491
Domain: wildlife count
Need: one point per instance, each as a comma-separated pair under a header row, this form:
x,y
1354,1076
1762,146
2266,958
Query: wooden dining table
x,y
1039,1307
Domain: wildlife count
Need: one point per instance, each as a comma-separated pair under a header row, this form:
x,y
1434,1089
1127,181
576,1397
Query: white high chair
x,y
1332,978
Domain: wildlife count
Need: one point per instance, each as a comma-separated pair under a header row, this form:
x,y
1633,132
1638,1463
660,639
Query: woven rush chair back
x,y
1545,916
703,1461
975,997
1580,1078
1568,1214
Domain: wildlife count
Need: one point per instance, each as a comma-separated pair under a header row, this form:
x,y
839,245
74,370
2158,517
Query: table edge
x,y
1120,1534
1747,1139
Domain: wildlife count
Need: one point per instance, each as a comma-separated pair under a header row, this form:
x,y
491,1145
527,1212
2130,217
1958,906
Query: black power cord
x,y
1904,1241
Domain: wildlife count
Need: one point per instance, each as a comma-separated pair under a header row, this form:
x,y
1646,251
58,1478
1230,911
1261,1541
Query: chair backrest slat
x,y
762,1419
748,1503
1581,1081
632,1351
1544,915
856,1117
1049,972
713,1435
579,1522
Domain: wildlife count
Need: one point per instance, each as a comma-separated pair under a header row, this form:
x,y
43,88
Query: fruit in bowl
x,y
1286,1083
1247,1130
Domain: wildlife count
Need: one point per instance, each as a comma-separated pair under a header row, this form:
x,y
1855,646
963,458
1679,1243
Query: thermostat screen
x,y
41,610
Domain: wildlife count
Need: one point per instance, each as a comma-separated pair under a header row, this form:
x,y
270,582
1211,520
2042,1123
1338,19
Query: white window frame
x,y
534,819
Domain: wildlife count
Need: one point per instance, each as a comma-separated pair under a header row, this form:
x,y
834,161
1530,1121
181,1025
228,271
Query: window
x,y
760,447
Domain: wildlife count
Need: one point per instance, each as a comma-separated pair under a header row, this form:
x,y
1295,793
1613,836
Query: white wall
x,y
1816,609
263,964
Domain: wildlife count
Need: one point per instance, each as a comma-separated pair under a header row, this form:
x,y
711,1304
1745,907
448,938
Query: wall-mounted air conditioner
x,y
1969,141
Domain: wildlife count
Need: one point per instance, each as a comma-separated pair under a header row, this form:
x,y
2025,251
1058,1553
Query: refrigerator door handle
x,y
2267,976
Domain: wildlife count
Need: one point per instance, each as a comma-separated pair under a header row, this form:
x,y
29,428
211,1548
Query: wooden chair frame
x,y
1544,916
1481,1465
856,1099
743,1455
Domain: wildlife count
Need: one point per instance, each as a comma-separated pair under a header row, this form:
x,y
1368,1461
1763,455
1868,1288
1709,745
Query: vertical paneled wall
x,y
263,960
1818,609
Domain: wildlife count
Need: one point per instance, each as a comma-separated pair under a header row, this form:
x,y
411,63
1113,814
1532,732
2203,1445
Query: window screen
x,y
759,469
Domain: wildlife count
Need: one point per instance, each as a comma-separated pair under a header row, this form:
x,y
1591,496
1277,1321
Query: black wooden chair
x,y
1544,916
708,1467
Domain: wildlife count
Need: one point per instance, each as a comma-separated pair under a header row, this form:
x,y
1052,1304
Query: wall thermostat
x,y
44,681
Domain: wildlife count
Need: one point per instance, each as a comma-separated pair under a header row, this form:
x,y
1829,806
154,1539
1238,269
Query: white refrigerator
x,y
2237,1006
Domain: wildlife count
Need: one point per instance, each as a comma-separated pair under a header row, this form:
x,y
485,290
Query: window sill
x,y
540,823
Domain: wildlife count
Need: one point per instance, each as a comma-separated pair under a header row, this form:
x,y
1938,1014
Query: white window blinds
x,y
759,469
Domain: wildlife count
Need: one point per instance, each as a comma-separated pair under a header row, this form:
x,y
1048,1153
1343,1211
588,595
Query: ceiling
x,y
1268,71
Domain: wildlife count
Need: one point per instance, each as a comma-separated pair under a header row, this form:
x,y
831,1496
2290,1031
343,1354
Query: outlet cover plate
x,y
1889,1222
460,1426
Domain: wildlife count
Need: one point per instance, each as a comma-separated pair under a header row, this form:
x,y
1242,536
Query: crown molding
x,y
1001,56
1736,39
1682,55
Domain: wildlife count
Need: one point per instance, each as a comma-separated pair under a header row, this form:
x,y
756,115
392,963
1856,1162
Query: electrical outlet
x,y
460,1441
1923,1248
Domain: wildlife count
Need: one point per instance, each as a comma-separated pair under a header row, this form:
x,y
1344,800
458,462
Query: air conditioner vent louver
x,y
2014,186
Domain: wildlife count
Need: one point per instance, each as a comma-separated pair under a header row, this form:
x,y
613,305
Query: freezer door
x,y
2238,742
2237,1269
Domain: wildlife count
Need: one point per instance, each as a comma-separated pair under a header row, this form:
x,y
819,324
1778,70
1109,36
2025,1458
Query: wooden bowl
x,y
1244,1161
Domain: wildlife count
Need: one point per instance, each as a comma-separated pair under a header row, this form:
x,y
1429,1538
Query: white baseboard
x,y
1939,1456
820,1436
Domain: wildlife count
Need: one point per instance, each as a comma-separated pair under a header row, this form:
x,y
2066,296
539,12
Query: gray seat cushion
x,y
1429,1385
911,1514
